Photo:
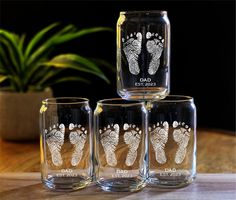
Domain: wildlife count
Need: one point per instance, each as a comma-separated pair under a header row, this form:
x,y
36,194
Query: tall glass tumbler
x,y
65,143
172,141
121,157
143,55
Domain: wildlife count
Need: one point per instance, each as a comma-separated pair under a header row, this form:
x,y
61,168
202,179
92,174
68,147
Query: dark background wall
x,y
202,53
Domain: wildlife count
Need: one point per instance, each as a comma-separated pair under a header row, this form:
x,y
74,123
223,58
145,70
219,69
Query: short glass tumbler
x,y
121,157
172,141
65,143
143,55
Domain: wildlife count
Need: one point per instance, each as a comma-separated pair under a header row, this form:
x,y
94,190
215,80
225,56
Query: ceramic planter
x,y
19,114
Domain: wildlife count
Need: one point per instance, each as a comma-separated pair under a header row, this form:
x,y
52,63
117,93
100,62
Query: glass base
x,y
122,185
170,181
143,93
66,183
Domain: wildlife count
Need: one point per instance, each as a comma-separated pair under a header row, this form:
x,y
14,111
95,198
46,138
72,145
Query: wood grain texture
x,y
216,152
23,186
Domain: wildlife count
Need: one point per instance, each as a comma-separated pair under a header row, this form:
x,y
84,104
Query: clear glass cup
x,y
143,55
121,161
172,141
65,143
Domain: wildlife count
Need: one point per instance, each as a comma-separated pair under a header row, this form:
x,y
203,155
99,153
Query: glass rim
x,y
176,99
67,100
162,12
113,102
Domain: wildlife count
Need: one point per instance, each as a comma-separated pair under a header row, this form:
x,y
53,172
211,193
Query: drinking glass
x,y
65,143
121,161
143,55
172,141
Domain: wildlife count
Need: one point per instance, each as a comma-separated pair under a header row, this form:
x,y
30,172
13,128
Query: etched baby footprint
x,y
158,137
132,138
109,138
154,47
132,49
54,140
181,135
78,136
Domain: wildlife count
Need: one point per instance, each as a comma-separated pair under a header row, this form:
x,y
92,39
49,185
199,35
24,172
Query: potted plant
x,y
28,70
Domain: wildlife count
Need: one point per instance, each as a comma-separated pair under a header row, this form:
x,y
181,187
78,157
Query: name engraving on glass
x,y
170,172
66,173
122,174
145,82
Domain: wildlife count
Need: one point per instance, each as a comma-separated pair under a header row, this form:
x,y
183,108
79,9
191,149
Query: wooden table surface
x,y
24,186
216,153
216,179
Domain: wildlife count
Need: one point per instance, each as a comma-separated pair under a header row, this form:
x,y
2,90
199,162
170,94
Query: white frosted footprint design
x,y
132,138
78,136
109,138
132,49
55,139
154,47
181,135
159,137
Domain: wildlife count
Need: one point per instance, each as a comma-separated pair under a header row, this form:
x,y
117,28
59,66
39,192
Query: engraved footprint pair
x,y
159,137
109,138
132,46
55,139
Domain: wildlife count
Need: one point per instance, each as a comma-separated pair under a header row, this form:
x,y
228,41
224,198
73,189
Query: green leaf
x,y
21,43
39,75
49,75
70,36
19,46
72,78
12,42
59,39
33,88
103,63
2,70
68,29
36,39
7,40
15,83
6,66
76,62
3,58
75,59
3,78
35,67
